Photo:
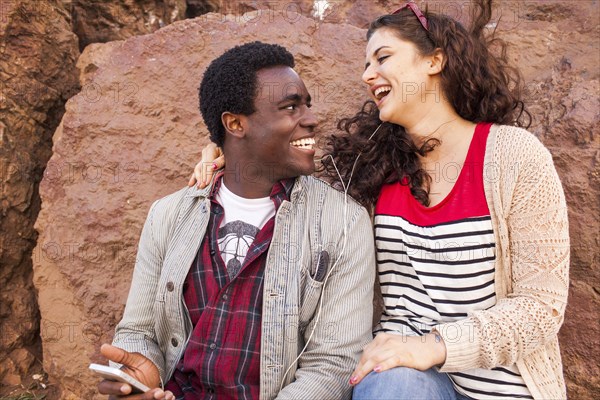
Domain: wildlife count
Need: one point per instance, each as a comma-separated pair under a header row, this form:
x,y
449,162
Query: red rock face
x,y
134,132
104,21
357,13
37,75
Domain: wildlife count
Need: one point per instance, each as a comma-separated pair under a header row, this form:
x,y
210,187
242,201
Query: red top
x,y
465,200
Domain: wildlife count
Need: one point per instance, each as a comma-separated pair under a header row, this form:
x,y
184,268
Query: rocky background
x,y
130,132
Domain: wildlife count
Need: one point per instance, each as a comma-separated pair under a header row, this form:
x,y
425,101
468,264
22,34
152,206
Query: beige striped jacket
x,y
316,219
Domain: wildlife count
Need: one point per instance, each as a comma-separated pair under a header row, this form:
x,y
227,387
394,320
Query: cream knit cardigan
x,y
529,215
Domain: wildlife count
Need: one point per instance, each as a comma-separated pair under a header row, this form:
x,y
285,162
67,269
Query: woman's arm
x,y
535,226
530,201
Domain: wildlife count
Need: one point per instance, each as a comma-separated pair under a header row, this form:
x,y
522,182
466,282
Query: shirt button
x,y
170,286
174,342
224,297
212,346
211,390
212,252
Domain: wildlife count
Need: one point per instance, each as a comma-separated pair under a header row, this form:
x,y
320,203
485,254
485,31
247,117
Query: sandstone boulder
x,y
357,13
133,134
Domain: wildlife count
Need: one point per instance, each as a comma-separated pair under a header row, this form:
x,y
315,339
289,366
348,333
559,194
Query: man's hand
x,y
212,160
139,367
387,351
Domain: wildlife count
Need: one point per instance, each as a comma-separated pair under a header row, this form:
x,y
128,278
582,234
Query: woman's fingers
x,y
192,180
212,160
210,152
379,355
361,371
372,360
390,351
204,171
389,363
218,163
197,175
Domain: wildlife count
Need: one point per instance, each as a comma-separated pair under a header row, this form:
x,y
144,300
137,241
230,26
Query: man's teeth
x,y
381,90
303,143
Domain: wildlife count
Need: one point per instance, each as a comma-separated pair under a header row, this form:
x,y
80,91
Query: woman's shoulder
x,y
515,143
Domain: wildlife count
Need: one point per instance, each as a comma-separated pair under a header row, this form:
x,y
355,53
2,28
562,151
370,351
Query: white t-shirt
x,y
242,221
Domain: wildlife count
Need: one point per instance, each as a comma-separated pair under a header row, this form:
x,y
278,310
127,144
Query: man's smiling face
x,y
281,130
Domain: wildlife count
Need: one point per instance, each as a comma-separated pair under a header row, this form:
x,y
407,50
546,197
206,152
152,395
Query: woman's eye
x,y
381,59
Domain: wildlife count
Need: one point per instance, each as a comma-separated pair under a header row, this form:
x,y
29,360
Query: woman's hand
x,y
212,160
387,351
139,367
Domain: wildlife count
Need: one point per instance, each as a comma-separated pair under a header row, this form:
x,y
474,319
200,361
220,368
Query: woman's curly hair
x,y
480,85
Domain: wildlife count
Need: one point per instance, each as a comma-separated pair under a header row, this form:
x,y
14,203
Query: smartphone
x,y
115,374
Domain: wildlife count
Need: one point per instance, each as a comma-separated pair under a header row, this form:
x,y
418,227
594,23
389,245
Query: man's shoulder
x,y
315,187
170,205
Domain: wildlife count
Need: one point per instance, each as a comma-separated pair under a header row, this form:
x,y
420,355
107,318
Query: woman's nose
x,y
369,74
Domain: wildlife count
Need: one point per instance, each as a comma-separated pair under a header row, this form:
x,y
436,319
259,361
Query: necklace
x,y
438,128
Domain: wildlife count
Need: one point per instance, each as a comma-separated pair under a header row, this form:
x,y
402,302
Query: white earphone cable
x,y
346,187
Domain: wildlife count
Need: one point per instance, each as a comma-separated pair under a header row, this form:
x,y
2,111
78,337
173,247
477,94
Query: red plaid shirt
x,y
222,357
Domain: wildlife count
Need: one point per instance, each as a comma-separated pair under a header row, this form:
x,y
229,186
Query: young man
x,y
233,281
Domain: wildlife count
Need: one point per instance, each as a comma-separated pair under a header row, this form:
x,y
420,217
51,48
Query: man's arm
x,y
344,326
135,333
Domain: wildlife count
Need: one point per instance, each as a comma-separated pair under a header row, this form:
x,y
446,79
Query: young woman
x,y
469,216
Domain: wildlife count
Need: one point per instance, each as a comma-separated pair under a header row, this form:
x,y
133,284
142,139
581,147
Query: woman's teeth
x,y
303,143
382,91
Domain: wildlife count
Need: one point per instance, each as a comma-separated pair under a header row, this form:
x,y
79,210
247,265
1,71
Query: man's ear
x,y
234,124
437,62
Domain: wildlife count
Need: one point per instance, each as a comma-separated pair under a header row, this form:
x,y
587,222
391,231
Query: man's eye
x,y
291,107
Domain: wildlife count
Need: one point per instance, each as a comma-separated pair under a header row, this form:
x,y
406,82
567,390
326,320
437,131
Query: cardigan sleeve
x,y
534,250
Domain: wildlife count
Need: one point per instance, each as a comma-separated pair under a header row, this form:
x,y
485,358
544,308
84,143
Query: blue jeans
x,y
406,384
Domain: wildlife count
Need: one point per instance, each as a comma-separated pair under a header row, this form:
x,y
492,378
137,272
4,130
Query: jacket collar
x,y
297,190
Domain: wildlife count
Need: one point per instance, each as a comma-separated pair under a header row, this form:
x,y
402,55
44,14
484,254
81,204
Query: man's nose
x,y
309,119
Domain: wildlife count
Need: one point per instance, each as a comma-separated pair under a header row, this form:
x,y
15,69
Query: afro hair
x,y
229,83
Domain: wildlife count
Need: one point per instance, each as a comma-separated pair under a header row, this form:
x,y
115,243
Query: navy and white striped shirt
x,y
436,264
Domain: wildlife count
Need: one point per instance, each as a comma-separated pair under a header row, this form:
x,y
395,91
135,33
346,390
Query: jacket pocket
x,y
309,300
